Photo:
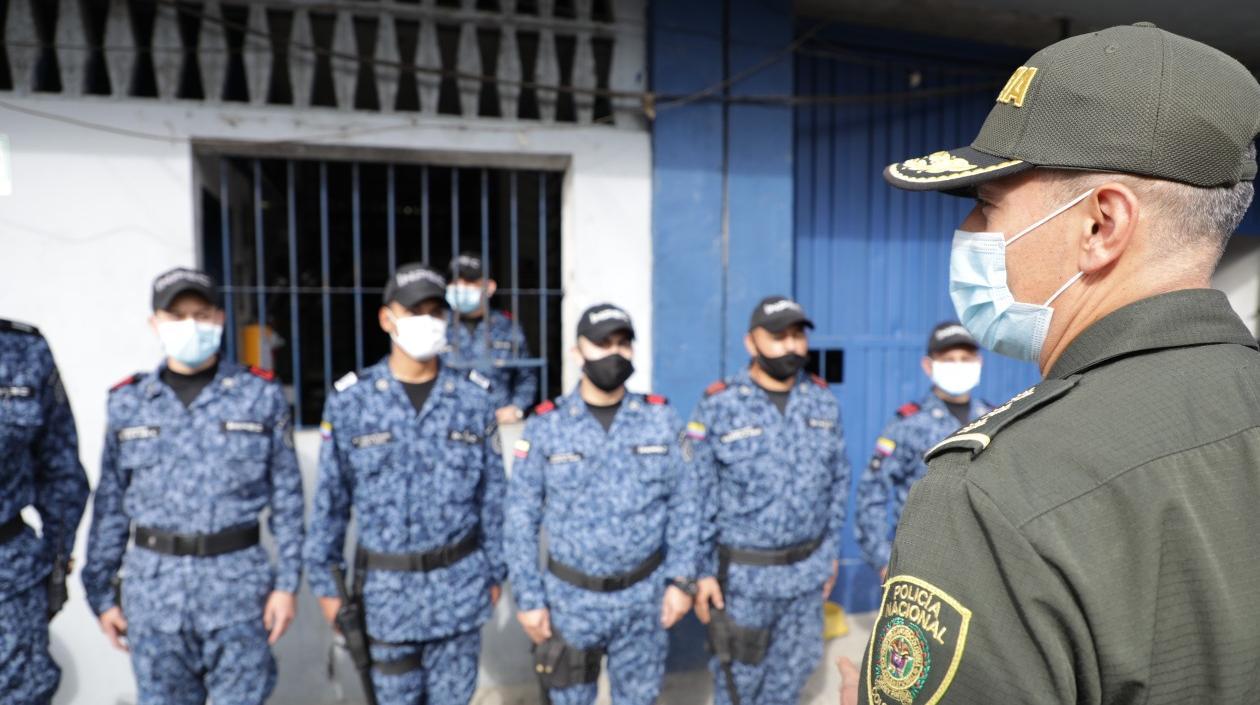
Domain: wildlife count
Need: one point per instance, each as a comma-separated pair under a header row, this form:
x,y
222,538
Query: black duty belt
x,y
767,557
200,545
11,529
424,561
610,583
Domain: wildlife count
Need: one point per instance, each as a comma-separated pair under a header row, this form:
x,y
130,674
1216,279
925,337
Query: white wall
x,y
94,216
1239,277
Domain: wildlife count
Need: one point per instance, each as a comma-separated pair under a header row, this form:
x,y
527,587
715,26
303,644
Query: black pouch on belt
x,y
560,664
730,642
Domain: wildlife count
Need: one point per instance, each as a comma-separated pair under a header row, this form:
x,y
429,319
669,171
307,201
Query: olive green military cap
x,y
1131,99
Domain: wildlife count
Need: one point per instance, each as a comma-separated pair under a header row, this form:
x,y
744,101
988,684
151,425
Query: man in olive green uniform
x,y
1093,539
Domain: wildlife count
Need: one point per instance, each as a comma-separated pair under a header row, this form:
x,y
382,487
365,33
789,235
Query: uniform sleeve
x,y
682,540
287,501
61,485
872,525
971,612
111,527
493,489
841,474
524,379
704,469
330,510
522,521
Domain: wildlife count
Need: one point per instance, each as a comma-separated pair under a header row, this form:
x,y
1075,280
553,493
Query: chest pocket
x,y
247,450
19,418
565,471
738,445
652,466
462,465
139,453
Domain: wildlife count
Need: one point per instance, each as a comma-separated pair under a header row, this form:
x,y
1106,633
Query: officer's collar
x,y
575,404
382,379
743,377
224,377
1173,320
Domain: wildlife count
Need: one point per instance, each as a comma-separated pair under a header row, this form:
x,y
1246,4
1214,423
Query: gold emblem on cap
x,y
1017,86
938,163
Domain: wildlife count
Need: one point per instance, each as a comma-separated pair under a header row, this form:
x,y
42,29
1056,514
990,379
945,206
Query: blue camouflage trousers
x,y
447,676
796,628
231,666
636,645
28,675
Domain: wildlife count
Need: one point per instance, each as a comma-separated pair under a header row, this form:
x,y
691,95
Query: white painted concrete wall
x,y
93,216
1239,277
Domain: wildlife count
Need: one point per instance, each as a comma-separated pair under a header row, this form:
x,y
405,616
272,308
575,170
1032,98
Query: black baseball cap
x,y
467,266
171,283
950,335
602,320
1133,99
776,313
413,283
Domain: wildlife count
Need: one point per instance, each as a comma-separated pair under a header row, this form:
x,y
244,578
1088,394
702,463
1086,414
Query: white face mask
x,y
189,342
421,337
955,378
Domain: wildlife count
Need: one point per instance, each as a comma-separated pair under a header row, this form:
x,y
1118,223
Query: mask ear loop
x,y
1047,219
1064,288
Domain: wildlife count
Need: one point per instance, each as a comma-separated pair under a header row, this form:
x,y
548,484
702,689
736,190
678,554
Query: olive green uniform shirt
x,y
1097,538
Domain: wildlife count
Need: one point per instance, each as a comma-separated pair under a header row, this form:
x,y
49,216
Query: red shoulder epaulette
x,y
545,407
130,379
714,388
655,399
819,381
908,409
507,314
260,372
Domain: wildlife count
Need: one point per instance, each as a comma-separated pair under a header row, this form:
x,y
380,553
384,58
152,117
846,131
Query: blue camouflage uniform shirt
x,y
417,481
39,458
896,464
608,500
770,480
487,351
202,469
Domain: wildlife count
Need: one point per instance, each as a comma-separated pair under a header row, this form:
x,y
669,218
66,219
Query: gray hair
x,y
1184,216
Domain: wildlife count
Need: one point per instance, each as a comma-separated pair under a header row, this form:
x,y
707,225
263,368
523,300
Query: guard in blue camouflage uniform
x,y
769,446
410,445
39,466
601,471
953,364
193,453
487,340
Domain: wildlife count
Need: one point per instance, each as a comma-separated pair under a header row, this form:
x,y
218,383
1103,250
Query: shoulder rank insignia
x,y
718,386
545,407
347,381
977,435
908,409
132,379
655,399
265,375
18,327
917,643
819,381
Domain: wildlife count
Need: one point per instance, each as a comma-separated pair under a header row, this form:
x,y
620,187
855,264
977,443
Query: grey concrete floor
x,y
696,688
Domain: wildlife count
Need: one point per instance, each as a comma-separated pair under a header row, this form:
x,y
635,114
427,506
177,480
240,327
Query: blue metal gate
x,y
871,262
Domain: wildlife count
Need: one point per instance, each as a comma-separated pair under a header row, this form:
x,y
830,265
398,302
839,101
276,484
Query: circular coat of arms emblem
x,y
904,660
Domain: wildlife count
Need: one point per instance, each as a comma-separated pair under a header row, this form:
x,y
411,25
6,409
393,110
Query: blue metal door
x,y
871,262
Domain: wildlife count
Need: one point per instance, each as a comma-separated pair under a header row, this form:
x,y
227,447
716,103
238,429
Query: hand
x,y
849,679
496,591
508,414
708,592
278,614
674,606
330,606
883,574
537,624
114,624
831,581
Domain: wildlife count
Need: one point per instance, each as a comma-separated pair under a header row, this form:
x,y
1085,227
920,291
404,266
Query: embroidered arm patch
x,y
917,643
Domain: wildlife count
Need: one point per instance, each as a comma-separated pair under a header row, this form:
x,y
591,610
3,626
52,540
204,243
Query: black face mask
x,y
783,367
610,372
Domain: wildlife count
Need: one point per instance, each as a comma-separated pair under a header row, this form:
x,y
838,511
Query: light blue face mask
x,y
464,299
984,303
189,341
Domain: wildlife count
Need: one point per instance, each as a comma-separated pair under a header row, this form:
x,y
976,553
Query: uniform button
x,y
228,383
152,541
382,384
938,414
634,406
449,387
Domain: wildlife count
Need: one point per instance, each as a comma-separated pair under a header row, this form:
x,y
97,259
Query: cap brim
x,y
956,170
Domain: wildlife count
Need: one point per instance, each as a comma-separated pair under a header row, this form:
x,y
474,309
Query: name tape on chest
x,y
468,437
658,449
16,392
740,434
369,440
138,433
501,344
243,427
825,424
479,379
562,458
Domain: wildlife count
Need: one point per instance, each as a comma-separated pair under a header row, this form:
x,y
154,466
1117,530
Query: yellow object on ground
x,y
834,623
